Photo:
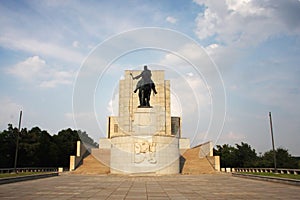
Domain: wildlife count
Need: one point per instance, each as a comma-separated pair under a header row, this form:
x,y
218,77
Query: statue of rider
x,y
144,85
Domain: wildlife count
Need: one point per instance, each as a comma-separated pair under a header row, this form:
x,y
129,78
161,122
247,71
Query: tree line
x,y
242,155
37,148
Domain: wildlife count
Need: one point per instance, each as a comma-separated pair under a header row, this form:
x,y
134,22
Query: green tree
x,y
8,146
66,141
28,148
84,137
283,159
47,150
239,156
245,155
227,156
37,148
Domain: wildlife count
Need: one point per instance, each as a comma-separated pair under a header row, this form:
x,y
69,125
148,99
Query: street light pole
x,y
274,153
17,143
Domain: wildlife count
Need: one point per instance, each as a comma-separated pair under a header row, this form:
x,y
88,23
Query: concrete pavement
x,y
207,186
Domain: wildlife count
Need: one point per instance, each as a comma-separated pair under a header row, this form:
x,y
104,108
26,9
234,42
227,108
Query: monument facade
x,y
140,136
144,137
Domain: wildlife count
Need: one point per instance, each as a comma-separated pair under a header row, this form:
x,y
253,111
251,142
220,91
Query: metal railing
x,y
268,170
28,169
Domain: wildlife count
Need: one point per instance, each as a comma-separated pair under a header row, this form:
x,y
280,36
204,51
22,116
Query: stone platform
x,y
206,186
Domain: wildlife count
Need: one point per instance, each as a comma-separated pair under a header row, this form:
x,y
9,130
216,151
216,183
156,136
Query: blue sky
x,y
255,45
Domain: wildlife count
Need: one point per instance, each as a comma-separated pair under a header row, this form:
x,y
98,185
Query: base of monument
x,y
144,154
195,160
145,106
148,121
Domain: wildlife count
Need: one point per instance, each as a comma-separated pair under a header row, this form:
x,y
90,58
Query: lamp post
x,y
17,143
274,153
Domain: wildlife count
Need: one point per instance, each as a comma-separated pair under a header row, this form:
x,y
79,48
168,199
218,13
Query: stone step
x,y
192,164
91,165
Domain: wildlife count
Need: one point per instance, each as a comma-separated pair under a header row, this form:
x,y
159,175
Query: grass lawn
x,y
6,175
291,176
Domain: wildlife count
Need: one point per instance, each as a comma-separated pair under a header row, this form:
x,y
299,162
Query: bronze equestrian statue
x,y
145,85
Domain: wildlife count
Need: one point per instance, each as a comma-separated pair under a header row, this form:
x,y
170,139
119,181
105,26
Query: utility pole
x,y
17,143
274,153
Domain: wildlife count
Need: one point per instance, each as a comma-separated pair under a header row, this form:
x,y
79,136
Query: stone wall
x,y
145,154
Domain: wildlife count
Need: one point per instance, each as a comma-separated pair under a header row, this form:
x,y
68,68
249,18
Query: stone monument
x,y
144,138
140,136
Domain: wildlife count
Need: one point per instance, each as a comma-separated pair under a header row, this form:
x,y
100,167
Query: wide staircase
x,y
192,164
91,165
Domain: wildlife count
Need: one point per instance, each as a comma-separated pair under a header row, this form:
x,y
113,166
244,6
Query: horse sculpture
x,y
145,93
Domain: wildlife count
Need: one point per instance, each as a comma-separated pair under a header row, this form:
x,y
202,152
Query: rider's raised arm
x,y
138,76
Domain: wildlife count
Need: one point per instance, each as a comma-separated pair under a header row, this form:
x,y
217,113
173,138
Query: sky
x,y
230,63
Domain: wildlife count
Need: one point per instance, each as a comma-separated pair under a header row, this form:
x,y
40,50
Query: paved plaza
x,y
217,186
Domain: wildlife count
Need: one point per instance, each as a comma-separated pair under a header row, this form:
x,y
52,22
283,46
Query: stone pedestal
x,y
148,122
145,154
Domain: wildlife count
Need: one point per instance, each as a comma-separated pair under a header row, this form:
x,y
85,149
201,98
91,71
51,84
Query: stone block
x,y
78,148
184,143
145,121
102,155
72,163
206,149
104,143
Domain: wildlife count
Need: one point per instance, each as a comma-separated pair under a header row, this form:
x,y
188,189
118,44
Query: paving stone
x,y
206,186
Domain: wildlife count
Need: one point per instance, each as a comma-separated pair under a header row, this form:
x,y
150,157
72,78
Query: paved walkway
x,y
144,187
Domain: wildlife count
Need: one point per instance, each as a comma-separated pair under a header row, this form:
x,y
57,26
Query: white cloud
x,y
247,22
29,68
244,7
75,44
190,74
231,138
113,105
191,58
187,80
232,26
234,136
211,49
58,78
189,97
190,50
176,106
171,20
198,86
207,24
34,69
9,112
18,42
